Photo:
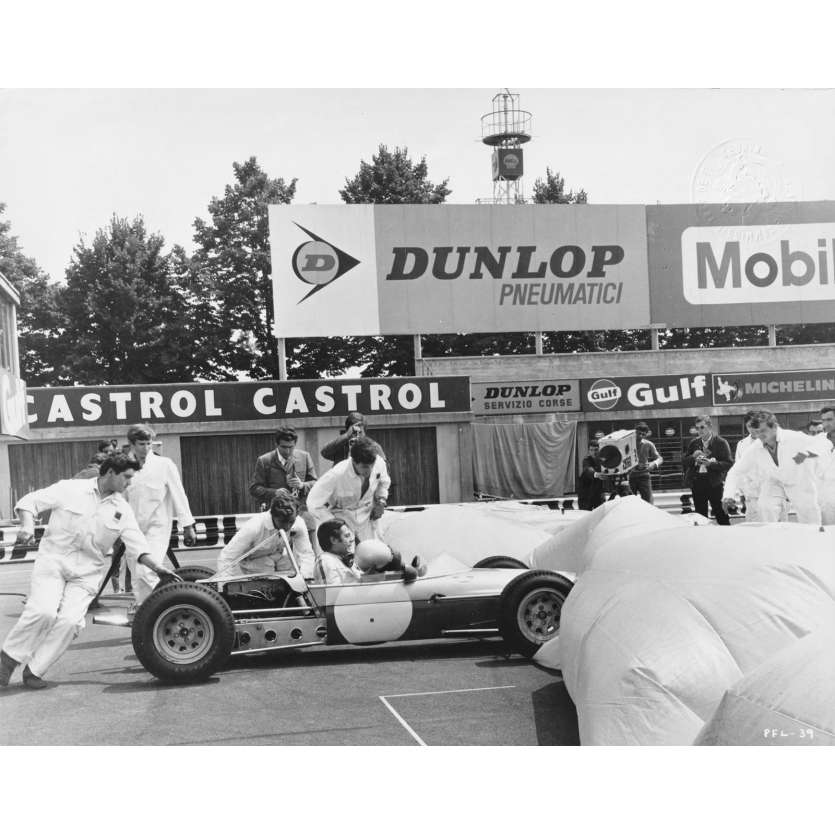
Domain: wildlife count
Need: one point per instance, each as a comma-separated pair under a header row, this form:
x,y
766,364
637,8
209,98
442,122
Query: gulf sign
x,y
392,269
685,391
768,263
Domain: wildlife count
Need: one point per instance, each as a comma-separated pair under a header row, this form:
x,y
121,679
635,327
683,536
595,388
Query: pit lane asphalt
x,y
431,692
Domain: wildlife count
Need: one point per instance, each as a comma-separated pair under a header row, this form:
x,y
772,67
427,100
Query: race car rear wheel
x,y
529,610
183,632
500,562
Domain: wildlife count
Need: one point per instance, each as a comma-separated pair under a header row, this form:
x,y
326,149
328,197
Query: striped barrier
x,y
212,532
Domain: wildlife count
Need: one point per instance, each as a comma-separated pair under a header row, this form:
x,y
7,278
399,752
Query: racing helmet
x,y
372,555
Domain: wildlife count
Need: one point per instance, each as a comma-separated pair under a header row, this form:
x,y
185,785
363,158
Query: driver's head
x,y
283,509
336,537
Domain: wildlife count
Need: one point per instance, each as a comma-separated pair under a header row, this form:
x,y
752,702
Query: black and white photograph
x,y
365,416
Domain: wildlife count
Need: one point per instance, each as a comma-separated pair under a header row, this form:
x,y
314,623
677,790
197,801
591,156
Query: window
x,y
8,336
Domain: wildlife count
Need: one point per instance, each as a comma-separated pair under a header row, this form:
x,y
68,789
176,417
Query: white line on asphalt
x,y
440,692
403,722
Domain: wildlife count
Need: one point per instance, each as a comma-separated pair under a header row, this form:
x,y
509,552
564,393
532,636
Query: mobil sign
x,y
404,269
684,391
769,263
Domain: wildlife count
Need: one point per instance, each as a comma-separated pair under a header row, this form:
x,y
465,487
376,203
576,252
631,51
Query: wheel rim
x,y
183,634
538,615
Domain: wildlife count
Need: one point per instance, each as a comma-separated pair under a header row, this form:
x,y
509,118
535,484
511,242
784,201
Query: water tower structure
x,y
506,129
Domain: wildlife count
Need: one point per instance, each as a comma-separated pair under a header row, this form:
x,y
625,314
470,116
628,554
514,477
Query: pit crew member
x,y
259,539
354,490
88,516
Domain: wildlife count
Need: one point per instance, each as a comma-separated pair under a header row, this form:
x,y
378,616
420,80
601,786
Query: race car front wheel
x,y
189,573
529,610
183,632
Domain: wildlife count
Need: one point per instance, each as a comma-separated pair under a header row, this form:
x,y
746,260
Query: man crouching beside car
x,y
88,516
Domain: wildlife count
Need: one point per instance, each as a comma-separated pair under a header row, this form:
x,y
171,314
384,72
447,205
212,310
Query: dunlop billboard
x,y
383,269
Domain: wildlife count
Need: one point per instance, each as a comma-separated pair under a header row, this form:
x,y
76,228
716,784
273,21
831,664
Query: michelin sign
x,y
383,269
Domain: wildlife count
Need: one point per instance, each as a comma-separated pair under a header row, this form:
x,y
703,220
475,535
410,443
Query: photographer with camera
x,y
706,462
340,447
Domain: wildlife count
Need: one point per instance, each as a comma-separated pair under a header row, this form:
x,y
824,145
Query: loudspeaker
x,y
618,452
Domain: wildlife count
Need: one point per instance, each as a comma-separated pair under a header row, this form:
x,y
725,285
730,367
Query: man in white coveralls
x,y
750,485
88,516
354,490
786,464
259,539
156,496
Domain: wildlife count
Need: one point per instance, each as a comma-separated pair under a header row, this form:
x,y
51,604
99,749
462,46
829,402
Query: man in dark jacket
x,y
706,463
285,468
590,485
339,448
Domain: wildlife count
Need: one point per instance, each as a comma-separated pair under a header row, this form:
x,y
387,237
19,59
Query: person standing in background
x,y
590,487
826,485
285,468
156,496
706,462
788,465
750,485
649,460
339,448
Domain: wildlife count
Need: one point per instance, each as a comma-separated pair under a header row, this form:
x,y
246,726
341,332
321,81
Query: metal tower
x,y
505,129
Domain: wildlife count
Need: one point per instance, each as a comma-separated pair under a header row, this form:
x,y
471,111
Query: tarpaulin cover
x,y
470,532
788,700
524,460
666,616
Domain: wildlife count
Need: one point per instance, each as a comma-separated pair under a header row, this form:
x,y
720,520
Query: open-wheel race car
x,y
187,630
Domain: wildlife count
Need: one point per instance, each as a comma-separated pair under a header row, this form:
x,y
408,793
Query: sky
x,y
71,158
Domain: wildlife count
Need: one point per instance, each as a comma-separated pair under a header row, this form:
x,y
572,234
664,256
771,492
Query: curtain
x,y
524,461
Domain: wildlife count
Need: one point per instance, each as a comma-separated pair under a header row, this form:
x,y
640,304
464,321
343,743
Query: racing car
x,y
186,630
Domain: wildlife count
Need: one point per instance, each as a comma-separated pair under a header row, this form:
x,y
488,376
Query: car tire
x,y
183,632
191,573
500,562
529,610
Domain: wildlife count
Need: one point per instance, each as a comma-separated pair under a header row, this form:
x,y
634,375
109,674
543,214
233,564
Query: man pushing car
x,y
88,516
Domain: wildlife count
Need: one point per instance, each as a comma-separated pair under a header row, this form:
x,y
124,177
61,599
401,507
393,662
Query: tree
x,y
38,315
232,259
552,190
131,314
391,177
